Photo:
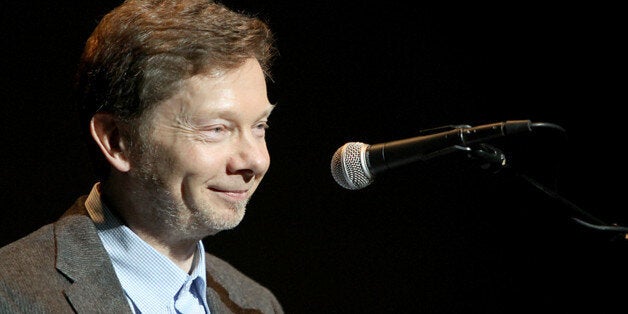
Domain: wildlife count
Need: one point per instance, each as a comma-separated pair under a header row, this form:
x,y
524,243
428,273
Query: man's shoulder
x,y
28,247
225,273
57,268
26,265
39,245
227,280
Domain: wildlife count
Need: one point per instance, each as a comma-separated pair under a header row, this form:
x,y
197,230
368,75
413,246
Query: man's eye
x,y
216,129
215,132
260,128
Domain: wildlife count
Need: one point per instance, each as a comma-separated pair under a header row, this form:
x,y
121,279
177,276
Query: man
x,y
175,101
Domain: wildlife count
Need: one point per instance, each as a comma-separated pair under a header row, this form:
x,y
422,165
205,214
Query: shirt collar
x,y
149,279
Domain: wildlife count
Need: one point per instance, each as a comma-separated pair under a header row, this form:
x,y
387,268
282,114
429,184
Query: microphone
x,y
355,164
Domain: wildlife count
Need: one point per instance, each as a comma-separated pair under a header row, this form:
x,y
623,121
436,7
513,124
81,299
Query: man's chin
x,y
220,220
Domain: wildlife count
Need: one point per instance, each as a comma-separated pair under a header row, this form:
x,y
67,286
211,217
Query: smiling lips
x,y
236,195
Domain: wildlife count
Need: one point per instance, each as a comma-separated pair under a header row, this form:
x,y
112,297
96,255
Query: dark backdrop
x,y
445,236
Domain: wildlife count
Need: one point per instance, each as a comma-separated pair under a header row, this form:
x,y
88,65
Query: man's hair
x,y
141,51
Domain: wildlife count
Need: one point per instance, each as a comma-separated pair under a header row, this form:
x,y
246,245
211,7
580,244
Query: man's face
x,y
205,153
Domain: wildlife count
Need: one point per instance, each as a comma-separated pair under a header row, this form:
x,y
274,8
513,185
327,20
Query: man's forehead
x,y
243,88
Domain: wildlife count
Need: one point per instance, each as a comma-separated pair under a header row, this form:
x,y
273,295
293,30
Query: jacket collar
x,y
82,258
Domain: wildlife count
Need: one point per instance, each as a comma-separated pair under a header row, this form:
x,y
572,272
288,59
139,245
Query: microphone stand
x,y
598,225
495,158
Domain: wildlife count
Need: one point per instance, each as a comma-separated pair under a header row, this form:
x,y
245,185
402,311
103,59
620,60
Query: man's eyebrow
x,y
268,111
226,113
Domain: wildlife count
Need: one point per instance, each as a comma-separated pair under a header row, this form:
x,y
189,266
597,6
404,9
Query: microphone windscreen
x,y
349,167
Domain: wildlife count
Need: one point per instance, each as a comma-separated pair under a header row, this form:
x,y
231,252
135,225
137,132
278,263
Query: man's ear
x,y
106,132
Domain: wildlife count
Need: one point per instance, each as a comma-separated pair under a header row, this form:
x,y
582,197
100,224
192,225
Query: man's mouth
x,y
232,194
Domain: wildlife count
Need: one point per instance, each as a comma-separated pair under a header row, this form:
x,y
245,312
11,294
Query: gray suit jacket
x,y
63,268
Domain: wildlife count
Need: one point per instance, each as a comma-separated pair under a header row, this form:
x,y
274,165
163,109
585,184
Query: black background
x,y
444,236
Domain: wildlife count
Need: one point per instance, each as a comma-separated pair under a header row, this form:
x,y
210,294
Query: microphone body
x,y
355,164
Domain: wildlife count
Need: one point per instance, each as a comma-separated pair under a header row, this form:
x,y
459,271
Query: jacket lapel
x,y
82,258
220,301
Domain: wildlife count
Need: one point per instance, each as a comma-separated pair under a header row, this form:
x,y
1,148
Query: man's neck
x,y
165,239
182,253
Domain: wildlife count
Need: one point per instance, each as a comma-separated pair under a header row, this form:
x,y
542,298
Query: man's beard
x,y
194,219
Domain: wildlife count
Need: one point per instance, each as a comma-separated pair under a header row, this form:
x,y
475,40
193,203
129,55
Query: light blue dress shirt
x,y
152,283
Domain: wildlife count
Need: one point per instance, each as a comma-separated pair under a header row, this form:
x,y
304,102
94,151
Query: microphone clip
x,y
491,158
